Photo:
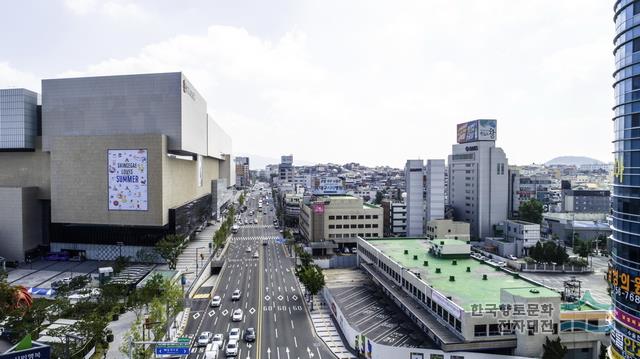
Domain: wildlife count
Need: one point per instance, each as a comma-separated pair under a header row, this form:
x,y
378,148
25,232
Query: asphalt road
x,y
271,298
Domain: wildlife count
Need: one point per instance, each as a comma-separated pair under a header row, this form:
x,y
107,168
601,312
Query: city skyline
x,y
408,72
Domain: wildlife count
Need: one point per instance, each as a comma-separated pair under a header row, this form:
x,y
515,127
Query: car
x,y
248,250
212,351
512,257
236,295
232,348
255,221
237,315
500,263
218,339
250,335
256,255
354,250
60,282
204,338
281,231
215,301
234,334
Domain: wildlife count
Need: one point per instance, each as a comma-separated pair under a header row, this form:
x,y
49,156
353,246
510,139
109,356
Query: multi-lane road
x,y
271,298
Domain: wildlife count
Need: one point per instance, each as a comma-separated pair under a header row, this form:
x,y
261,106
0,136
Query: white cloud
x,y
116,9
13,78
344,81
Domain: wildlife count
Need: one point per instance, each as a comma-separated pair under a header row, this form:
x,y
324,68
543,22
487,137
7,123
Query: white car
x,y
234,334
236,295
512,257
218,339
212,351
255,221
204,339
256,255
237,315
215,301
232,348
248,250
500,263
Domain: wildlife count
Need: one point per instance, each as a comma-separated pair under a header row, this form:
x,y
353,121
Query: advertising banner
x,y
487,130
477,130
127,171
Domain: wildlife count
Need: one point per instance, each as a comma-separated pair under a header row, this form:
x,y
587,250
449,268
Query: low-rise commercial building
x,y
399,219
465,305
333,222
586,201
447,228
523,234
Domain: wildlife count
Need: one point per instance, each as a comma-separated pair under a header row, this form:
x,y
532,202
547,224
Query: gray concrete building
x,y
586,201
478,178
414,201
19,119
434,190
124,160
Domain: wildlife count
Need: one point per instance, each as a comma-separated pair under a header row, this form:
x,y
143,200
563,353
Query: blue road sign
x,y
280,240
172,350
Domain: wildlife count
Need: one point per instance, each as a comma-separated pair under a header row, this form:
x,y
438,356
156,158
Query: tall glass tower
x,y
624,270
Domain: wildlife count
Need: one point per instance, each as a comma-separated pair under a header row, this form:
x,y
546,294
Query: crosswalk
x,y
254,238
256,226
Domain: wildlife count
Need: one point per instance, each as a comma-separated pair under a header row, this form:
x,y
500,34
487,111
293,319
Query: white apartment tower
x,y
414,184
434,190
478,178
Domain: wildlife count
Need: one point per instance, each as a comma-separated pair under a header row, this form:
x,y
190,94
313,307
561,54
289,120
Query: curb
x,y
183,322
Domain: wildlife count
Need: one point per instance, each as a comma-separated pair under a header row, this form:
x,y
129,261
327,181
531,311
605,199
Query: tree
x,y
169,248
561,256
379,196
582,248
241,199
553,349
531,211
305,259
313,279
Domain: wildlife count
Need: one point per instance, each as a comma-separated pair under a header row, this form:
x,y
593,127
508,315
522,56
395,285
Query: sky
x,y
368,81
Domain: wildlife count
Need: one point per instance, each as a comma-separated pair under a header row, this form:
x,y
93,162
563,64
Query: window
x,y
331,218
375,216
368,216
367,225
480,330
361,216
331,226
354,217
494,329
354,226
338,217
361,226
338,226
375,225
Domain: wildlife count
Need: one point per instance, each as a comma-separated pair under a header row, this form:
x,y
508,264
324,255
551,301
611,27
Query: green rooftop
x,y
469,287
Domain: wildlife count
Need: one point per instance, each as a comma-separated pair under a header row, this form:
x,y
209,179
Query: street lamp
x,y
120,244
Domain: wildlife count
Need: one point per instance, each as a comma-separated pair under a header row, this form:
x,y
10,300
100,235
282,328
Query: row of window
x,y
361,216
353,235
361,225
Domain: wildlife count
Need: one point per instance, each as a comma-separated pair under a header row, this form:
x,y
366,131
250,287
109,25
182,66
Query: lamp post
x,y
120,244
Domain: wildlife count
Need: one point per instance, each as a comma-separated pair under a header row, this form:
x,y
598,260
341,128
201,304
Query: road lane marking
x,y
292,327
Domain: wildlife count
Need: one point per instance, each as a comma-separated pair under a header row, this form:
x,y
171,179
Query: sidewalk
x,y
326,330
119,328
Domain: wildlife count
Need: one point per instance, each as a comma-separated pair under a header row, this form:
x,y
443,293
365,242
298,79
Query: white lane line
x,y
295,341
276,333
274,317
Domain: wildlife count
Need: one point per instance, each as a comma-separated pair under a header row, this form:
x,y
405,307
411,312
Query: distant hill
x,y
573,161
257,162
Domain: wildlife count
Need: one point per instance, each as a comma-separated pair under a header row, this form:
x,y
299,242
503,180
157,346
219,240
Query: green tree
x,y
305,259
561,257
531,211
169,248
241,199
553,349
379,196
582,248
313,279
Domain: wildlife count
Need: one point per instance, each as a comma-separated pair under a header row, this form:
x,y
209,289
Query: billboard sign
x,y
477,130
318,208
128,182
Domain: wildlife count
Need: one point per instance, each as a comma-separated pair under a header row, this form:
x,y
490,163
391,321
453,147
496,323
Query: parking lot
x,y
369,310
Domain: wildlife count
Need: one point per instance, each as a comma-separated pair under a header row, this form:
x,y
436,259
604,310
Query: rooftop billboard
x,y
477,130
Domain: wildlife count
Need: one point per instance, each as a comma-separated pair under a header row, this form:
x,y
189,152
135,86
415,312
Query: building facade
x,y
122,162
19,119
447,228
434,201
478,178
523,234
332,222
414,201
243,173
586,201
398,219
285,169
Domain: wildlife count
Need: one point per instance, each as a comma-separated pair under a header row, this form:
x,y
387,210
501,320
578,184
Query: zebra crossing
x,y
256,226
254,238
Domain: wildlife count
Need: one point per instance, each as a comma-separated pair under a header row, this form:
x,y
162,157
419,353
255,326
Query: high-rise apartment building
x,y
434,190
414,184
478,178
624,271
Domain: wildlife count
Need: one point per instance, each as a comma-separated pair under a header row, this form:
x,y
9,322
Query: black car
x,y
250,335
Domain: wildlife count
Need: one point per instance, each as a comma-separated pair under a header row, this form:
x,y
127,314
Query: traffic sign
x,y
172,350
184,339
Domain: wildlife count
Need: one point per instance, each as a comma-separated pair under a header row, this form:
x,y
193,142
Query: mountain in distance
x,y
573,161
